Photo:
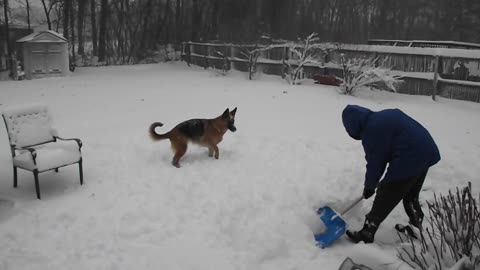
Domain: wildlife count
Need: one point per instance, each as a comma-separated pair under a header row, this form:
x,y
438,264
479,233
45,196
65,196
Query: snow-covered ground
x,y
254,208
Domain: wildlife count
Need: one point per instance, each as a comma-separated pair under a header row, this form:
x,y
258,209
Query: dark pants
x,y
389,194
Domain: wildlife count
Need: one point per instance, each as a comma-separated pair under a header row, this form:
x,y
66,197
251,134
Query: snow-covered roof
x,y
43,36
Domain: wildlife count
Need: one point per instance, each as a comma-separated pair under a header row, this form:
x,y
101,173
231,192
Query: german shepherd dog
x,y
205,132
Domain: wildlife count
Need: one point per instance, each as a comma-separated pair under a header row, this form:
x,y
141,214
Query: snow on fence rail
x,y
424,43
450,73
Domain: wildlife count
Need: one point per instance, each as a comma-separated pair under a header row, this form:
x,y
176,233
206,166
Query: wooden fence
x,y
450,73
424,43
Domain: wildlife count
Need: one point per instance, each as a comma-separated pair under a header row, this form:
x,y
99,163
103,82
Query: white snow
x,y
254,208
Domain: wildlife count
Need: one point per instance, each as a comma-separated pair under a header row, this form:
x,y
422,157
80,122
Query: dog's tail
x,y
154,135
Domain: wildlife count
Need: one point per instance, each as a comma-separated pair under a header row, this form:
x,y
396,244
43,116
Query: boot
x,y
414,212
366,234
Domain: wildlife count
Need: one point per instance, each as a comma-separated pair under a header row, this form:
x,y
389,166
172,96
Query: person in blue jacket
x,y
394,138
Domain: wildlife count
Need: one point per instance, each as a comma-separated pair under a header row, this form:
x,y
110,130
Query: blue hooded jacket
x,y
390,137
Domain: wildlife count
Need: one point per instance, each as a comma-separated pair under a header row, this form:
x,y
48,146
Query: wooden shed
x,y
44,54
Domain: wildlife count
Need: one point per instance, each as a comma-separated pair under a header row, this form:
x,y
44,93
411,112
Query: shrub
x,y
451,238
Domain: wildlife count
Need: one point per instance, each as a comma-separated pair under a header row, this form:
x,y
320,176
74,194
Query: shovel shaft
x,y
355,202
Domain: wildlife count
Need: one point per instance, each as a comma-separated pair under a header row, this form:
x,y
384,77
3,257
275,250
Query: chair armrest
x,y
32,152
79,142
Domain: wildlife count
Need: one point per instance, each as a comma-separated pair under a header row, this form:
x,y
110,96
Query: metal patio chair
x,y
35,145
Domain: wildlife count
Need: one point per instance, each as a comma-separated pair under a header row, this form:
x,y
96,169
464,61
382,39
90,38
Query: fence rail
x,y
424,43
433,72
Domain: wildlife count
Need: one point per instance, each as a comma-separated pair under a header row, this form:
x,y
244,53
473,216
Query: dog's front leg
x,y
215,149
210,151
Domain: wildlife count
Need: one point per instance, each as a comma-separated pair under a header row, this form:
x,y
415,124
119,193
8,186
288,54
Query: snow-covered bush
x,y
308,51
358,73
451,237
252,54
224,67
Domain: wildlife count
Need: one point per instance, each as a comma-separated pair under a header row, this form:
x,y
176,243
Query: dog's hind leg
x,y
210,151
180,150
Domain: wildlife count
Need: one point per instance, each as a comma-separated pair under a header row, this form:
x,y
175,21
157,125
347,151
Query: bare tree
x,y
142,25
80,25
48,8
66,16
72,27
7,31
178,21
27,3
93,15
27,8
102,41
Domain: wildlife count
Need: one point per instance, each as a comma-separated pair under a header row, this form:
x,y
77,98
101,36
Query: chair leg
x,y
80,167
15,183
37,184
56,170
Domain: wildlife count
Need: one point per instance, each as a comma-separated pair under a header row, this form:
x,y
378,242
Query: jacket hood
x,y
354,119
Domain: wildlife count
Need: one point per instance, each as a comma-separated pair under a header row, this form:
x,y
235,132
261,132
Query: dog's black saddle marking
x,y
193,128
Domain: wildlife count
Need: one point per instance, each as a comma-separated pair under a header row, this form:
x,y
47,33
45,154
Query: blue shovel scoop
x,y
334,223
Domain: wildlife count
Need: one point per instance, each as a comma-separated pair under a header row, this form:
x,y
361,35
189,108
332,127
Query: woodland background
x,y
130,30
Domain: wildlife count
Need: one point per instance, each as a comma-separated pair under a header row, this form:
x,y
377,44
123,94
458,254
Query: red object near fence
x,y
326,79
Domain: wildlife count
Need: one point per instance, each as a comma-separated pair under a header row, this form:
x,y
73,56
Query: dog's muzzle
x,y
232,127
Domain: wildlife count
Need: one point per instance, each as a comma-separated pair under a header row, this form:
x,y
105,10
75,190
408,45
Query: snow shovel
x,y
348,264
334,222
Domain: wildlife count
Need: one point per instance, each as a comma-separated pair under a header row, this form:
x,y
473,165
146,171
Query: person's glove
x,y
367,193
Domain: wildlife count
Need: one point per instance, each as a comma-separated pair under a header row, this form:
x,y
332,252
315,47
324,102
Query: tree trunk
x,y
93,15
7,35
66,17
178,21
162,23
102,42
47,15
146,17
72,27
215,15
195,20
28,14
165,21
80,22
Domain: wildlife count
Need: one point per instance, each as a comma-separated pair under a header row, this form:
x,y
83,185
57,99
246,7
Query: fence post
x,y
435,77
233,54
205,57
285,58
226,58
189,53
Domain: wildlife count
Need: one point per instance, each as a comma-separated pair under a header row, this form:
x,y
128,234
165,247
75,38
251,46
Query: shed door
x,y
46,58
39,61
54,60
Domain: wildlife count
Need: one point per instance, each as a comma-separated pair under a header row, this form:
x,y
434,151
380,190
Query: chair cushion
x,y
49,156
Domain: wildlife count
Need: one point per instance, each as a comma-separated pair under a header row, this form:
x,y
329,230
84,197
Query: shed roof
x,y
43,36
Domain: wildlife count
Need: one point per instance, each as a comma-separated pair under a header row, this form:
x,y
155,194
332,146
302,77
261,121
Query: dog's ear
x,y
233,112
226,114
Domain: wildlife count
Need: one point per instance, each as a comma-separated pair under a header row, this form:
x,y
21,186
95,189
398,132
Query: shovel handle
x,y
355,202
